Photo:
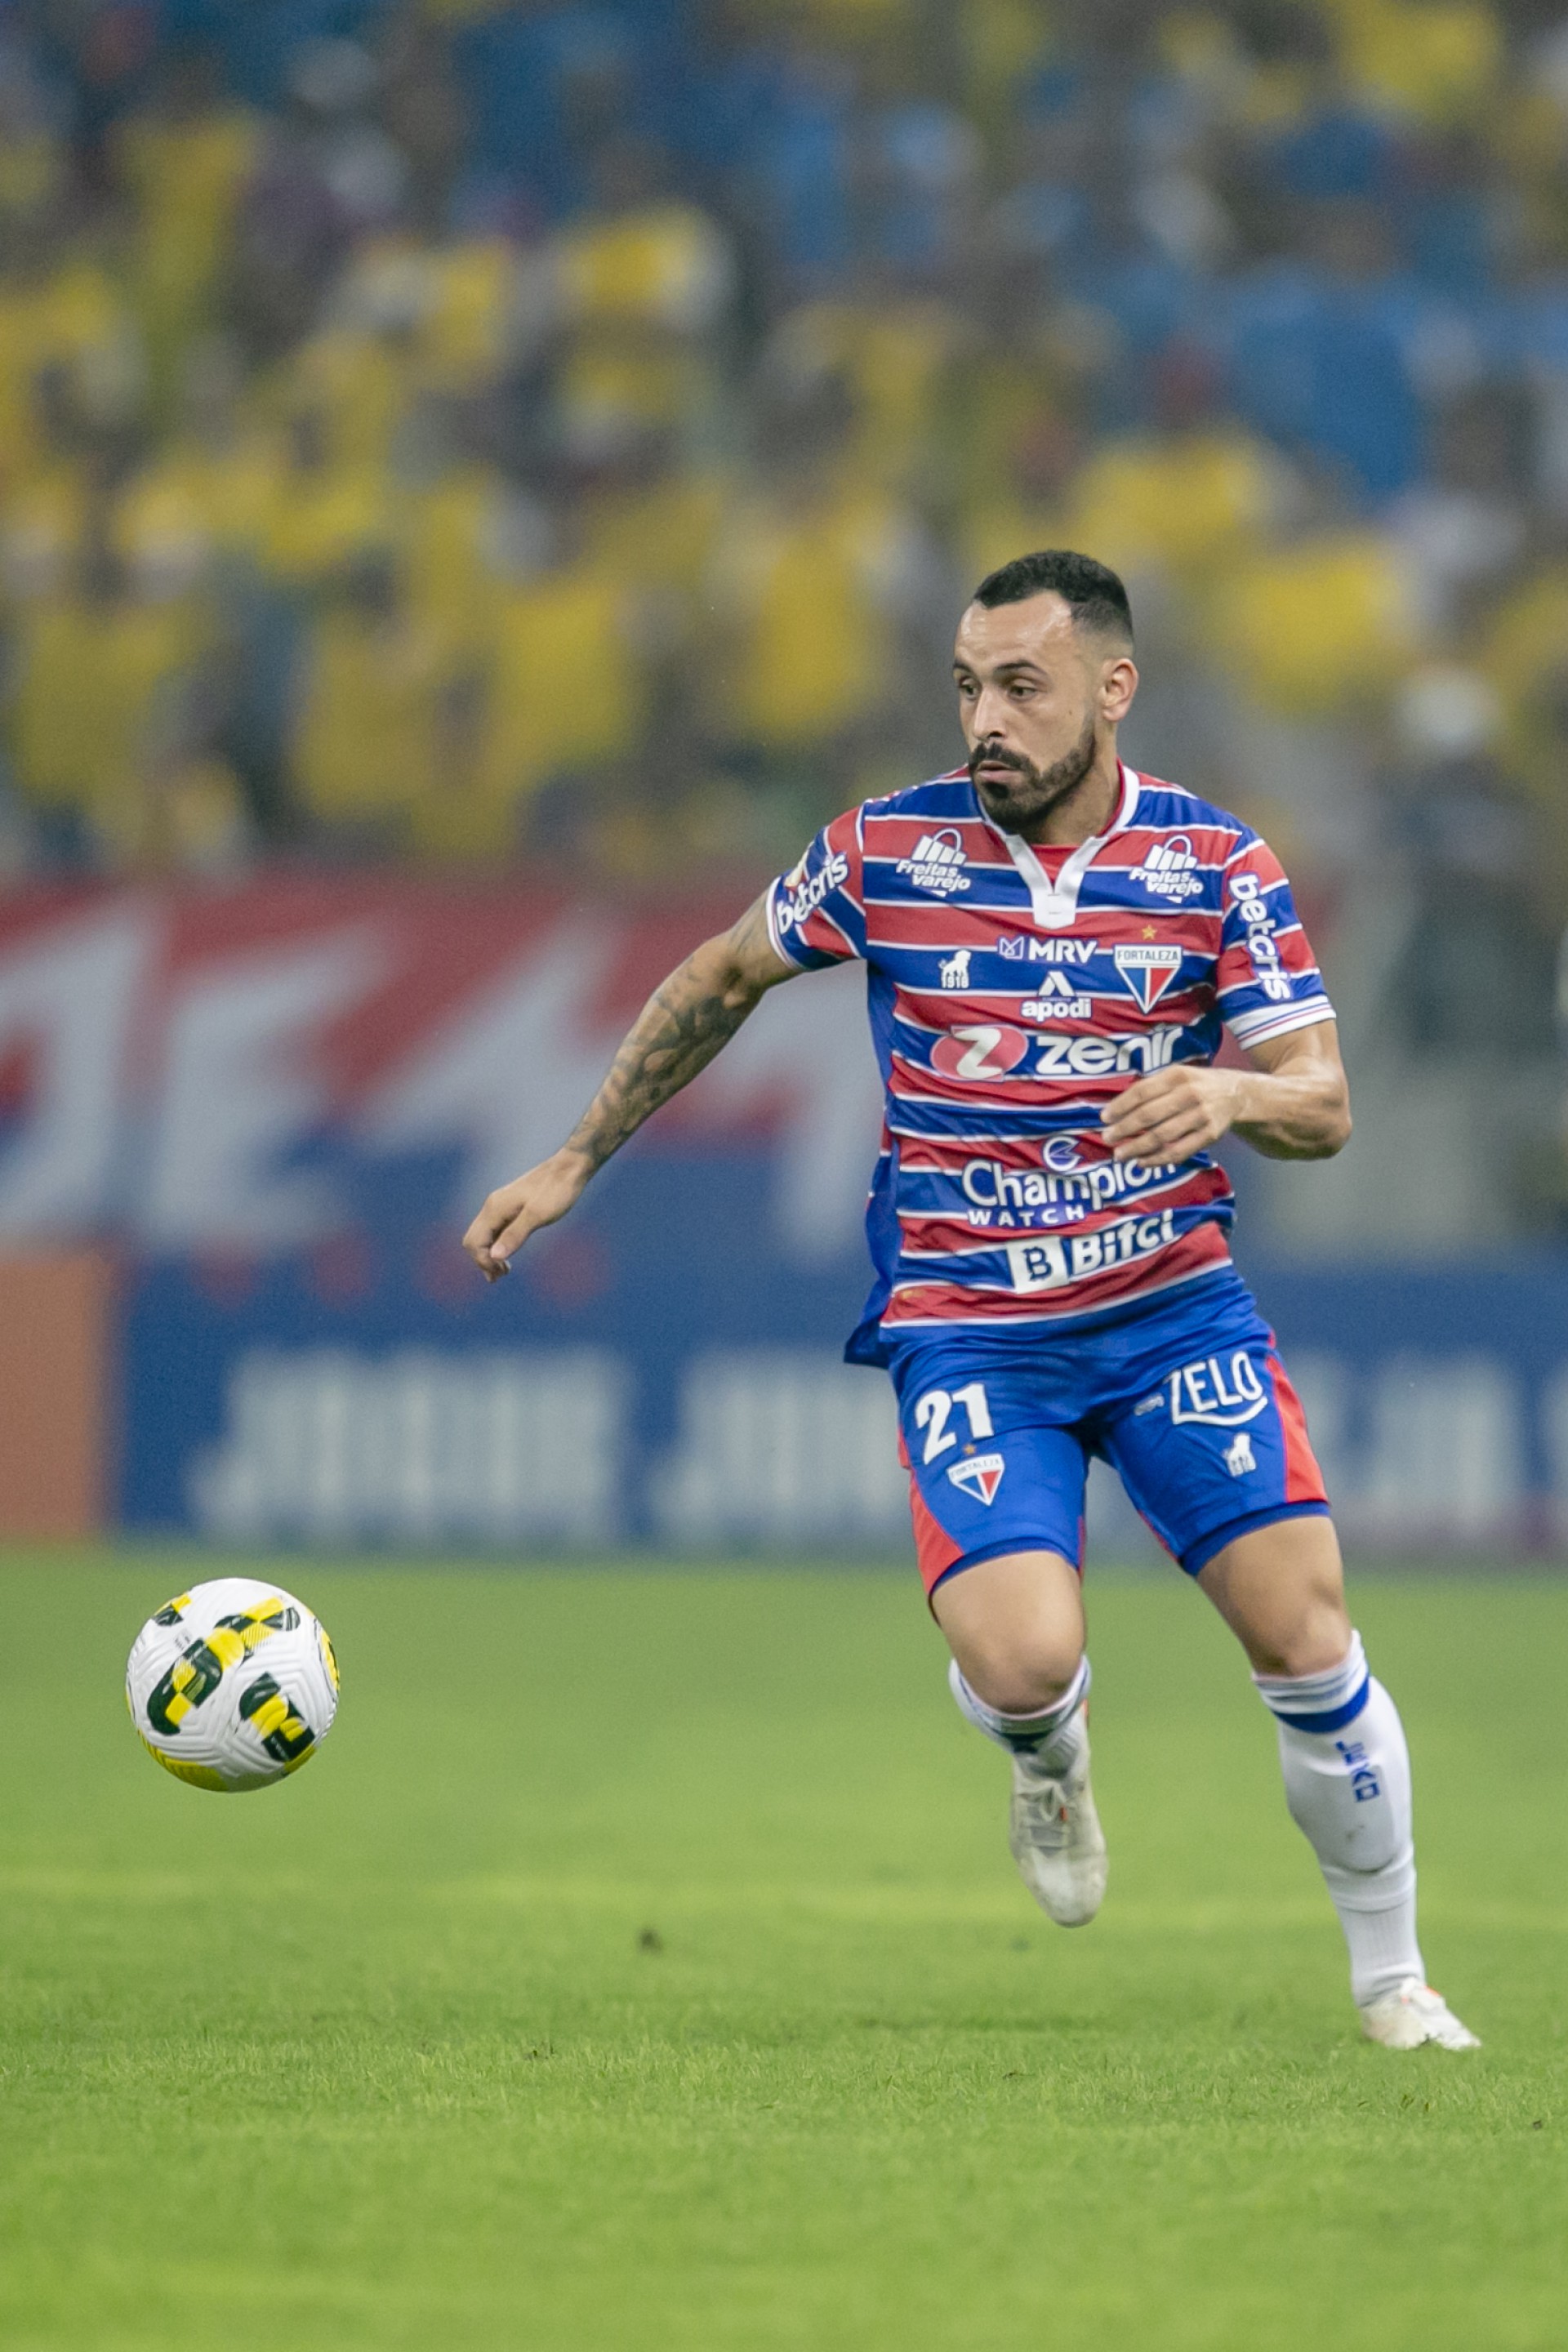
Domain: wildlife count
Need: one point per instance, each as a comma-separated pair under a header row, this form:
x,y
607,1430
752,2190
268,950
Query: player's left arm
x,y
1293,1102
686,1020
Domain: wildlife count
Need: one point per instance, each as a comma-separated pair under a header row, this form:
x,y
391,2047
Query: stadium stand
x,y
452,431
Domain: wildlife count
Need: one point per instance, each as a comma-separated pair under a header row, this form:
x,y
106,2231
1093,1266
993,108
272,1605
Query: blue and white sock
x,y
1055,1735
1347,1783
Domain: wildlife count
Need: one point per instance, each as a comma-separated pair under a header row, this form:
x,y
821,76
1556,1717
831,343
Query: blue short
x,y
1185,1398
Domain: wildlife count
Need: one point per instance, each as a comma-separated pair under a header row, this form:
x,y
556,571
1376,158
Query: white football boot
x,y
1056,1838
1413,2014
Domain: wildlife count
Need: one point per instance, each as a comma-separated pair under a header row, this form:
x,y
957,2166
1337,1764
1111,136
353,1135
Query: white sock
x,y
1347,1783
1055,1735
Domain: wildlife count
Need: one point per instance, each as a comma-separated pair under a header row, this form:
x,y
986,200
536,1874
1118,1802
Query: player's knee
x,y
1016,1626
1309,1642
1021,1676
1282,1590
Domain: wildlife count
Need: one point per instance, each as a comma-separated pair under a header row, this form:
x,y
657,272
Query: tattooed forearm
x,y
684,1024
680,1029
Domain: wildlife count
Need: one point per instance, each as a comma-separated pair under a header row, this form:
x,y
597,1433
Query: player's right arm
x,y
686,1020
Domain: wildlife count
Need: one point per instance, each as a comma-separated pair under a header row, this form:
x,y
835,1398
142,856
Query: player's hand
x,y
515,1210
1172,1114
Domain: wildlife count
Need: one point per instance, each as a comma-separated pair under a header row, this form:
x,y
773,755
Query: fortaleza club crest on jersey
x,y
1170,870
936,863
980,1476
1147,970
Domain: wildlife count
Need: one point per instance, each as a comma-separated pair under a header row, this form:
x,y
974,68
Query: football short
x,y
1185,1399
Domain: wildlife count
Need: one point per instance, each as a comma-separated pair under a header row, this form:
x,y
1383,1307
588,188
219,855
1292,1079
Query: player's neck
x,y
1084,812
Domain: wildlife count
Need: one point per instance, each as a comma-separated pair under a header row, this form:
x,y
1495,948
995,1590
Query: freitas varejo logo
x,y
936,863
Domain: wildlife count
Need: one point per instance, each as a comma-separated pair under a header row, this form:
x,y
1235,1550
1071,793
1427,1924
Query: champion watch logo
x,y
1170,869
980,1476
1148,971
936,863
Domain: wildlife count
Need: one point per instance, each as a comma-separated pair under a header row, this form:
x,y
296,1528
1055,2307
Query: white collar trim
x,y
1055,904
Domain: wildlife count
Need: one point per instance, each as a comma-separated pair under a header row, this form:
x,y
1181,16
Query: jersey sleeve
x,y
1267,978
816,912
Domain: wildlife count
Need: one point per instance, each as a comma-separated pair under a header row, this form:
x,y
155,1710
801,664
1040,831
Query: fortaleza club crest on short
x,y
1147,970
980,1476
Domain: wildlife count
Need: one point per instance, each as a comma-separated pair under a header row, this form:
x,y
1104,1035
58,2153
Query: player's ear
x,y
1118,685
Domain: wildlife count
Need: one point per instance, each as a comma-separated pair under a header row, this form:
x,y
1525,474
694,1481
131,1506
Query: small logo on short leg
x,y
980,1476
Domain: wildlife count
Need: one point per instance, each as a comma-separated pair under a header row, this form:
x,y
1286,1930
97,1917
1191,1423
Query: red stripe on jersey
x,y
918,1080
1303,1479
922,1008
1192,1253
951,1232
890,834
955,923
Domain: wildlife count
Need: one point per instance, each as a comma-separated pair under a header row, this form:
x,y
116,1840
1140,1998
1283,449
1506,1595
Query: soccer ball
x,y
233,1684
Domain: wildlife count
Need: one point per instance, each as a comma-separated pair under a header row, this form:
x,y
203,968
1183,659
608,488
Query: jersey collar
x,y
1055,904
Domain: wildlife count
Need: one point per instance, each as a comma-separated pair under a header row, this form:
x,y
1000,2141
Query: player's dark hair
x,y
1092,591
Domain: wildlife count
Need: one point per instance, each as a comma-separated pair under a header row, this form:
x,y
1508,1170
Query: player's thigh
x,y
1216,1455
1014,1624
988,1477
1281,1590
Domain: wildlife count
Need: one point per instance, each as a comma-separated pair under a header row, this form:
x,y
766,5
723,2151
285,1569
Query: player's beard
x,y
1038,790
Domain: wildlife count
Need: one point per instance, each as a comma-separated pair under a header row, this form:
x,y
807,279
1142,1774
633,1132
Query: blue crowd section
x,y
457,435
256,37
1315,358
659,1374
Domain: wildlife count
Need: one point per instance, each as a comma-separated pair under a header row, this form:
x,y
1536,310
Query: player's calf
x,y
1053,1829
1014,1624
1347,1782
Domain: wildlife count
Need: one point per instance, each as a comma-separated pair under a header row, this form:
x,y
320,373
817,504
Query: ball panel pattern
x,y
233,1684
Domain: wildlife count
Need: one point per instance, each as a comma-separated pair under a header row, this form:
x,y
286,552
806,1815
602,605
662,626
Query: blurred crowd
x,y
452,432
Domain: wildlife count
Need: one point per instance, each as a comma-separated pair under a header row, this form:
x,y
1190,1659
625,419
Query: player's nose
x,y
990,716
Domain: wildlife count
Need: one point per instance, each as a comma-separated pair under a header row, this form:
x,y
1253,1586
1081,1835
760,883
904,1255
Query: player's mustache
x,y
991,755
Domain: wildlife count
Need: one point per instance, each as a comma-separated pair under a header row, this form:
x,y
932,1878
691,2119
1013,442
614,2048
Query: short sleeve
x,y
816,912
1267,979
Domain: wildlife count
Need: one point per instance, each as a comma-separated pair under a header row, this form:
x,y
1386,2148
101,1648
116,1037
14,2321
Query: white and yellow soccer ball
x,y
233,1684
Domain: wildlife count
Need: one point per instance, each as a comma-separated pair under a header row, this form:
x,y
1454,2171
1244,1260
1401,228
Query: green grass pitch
x,y
640,1969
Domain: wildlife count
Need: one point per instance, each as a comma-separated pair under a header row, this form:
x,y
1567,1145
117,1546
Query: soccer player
x,y
1054,946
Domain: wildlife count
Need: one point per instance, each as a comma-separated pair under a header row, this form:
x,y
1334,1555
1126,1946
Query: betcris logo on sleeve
x,y
1262,946
801,894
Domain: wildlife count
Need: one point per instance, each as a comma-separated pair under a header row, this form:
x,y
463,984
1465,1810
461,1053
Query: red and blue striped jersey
x,y
1012,993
